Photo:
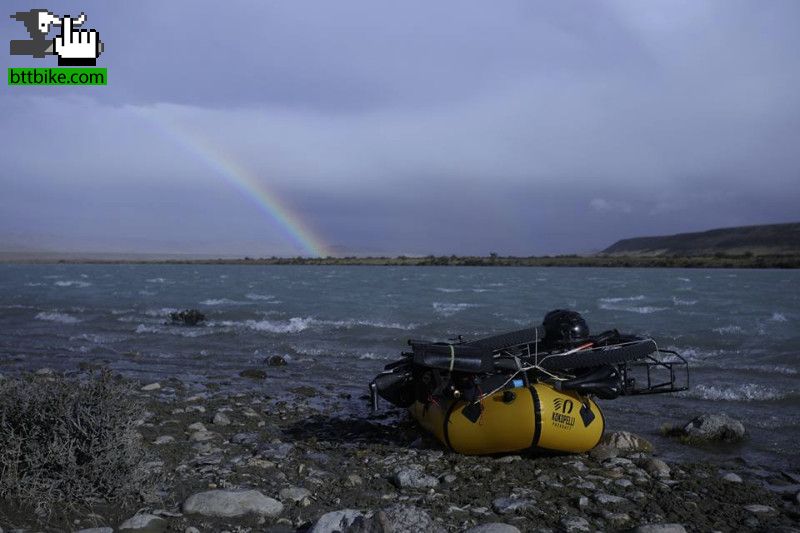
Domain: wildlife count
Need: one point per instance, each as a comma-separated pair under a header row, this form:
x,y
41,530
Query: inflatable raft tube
x,y
513,420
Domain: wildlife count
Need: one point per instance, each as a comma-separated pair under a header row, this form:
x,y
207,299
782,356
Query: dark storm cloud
x,y
418,127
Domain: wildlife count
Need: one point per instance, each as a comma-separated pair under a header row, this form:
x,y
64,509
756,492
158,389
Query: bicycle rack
x,y
678,375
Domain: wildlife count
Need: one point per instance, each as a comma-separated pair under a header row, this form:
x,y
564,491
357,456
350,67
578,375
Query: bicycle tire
x,y
507,340
605,355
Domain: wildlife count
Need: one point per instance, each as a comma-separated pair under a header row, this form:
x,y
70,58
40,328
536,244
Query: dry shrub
x,y
68,444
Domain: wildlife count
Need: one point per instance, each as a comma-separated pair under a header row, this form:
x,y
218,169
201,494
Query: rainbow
x,y
246,182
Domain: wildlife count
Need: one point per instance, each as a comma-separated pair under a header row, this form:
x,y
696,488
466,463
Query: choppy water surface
x,y
339,325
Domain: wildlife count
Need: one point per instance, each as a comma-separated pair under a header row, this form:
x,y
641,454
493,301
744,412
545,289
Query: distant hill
x,y
771,239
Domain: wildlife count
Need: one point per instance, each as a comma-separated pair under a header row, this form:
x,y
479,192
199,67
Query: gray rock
x,y
319,457
144,523
714,428
253,373
164,439
220,419
583,503
616,520
493,527
45,372
94,530
353,480
660,528
578,466
656,467
609,499
408,519
627,442
733,478
757,508
151,386
797,498
508,458
336,521
276,360
575,523
617,461
783,490
512,505
275,451
414,478
246,439
791,475
231,503
294,494
603,452
191,529
624,483
202,436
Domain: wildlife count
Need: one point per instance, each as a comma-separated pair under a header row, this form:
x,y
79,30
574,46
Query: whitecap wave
x,y
687,280
369,323
642,310
72,283
144,328
728,360
62,318
445,289
623,299
372,356
294,325
156,280
223,301
728,330
448,309
163,312
254,296
778,317
92,337
180,331
696,355
745,392
681,301
768,369
34,284
297,324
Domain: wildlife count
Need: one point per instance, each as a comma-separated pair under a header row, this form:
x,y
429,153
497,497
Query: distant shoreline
x,y
605,261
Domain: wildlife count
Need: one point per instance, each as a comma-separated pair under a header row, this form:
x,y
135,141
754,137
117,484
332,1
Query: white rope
x,y
452,357
537,365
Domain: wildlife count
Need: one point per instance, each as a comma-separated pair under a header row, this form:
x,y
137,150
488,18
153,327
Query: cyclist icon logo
x,y
74,47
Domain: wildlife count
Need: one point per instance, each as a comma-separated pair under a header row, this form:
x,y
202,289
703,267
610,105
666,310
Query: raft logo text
x,y
74,47
561,413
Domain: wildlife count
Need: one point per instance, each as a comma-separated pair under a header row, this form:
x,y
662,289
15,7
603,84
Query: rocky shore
x,y
251,462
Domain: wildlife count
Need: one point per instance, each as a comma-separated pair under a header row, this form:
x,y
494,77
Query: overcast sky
x,y
415,127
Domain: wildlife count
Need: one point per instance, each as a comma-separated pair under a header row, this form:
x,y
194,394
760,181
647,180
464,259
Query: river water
x,y
338,326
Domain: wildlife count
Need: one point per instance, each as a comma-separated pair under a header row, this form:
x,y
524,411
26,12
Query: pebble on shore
x,y
296,463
